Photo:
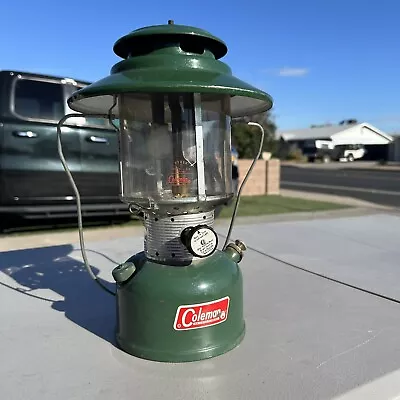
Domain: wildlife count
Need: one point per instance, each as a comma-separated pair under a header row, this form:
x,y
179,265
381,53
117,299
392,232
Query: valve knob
x,y
241,245
200,240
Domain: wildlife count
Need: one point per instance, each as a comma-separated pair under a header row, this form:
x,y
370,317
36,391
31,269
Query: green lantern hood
x,y
170,59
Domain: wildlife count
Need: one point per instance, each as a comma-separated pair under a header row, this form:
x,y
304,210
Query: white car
x,y
351,152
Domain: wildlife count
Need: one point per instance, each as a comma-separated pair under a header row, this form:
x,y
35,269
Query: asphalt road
x,y
379,187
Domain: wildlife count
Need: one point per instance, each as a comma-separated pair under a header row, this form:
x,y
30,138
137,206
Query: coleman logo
x,y
182,180
196,316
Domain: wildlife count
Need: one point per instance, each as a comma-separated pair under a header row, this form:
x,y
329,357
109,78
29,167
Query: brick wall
x,y
273,176
264,179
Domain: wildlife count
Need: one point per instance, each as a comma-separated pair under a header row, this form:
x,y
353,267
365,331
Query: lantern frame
x,y
180,267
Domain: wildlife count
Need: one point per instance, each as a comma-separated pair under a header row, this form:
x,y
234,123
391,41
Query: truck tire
x,y
326,158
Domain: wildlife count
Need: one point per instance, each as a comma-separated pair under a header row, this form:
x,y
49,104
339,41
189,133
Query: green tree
x,y
247,138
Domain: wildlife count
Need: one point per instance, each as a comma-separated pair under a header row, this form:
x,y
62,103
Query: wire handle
x,y
77,194
256,157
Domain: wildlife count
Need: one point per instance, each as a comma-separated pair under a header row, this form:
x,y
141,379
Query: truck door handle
x,y
25,134
97,139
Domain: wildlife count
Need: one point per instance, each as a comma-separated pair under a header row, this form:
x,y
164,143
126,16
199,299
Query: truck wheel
x,y
350,158
326,159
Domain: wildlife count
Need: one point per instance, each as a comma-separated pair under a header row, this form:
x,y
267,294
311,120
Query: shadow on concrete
x,y
84,302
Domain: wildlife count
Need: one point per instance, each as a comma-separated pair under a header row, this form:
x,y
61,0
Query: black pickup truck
x,y
33,183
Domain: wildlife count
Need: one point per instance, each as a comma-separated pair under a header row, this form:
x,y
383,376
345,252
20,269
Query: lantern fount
x,y
180,299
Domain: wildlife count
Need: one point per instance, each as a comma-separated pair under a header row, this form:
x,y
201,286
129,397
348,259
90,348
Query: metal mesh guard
x,y
162,236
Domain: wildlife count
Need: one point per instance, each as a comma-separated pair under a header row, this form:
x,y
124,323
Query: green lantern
x,y
180,299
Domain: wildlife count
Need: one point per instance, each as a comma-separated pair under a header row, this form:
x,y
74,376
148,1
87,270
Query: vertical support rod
x,y
201,182
158,114
120,132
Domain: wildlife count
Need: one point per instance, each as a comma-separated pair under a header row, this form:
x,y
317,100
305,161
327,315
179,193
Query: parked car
x,y
33,183
326,151
350,152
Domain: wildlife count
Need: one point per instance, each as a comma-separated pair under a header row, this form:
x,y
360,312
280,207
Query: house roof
x,y
311,133
325,132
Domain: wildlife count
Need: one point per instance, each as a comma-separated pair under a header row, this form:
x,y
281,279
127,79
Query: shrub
x,y
295,155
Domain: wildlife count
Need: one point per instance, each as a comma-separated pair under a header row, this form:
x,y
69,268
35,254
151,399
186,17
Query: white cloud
x,y
288,72
293,71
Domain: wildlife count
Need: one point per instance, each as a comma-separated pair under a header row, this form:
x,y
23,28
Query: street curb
x,y
38,240
343,200
43,239
377,168
303,216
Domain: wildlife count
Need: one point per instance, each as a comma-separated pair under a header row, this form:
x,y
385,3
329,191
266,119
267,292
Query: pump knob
x,y
200,240
123,272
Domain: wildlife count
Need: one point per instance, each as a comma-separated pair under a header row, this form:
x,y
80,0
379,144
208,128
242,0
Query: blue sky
x,y
321,60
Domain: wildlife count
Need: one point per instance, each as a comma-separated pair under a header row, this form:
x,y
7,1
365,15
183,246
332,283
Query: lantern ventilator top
x,y
170,59
174,101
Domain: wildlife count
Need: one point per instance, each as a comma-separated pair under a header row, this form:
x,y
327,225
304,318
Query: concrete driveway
x,y
308,337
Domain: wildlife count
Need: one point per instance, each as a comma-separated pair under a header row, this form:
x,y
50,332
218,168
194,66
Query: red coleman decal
x,y
196,316
182,180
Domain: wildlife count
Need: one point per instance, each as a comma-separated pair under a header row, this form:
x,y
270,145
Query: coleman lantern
x,y
172,100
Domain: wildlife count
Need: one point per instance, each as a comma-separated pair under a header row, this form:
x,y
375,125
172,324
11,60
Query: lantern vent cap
x,y
170,59
144,40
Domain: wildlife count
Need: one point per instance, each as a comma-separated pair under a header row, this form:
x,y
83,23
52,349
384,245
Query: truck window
x,y
38,100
